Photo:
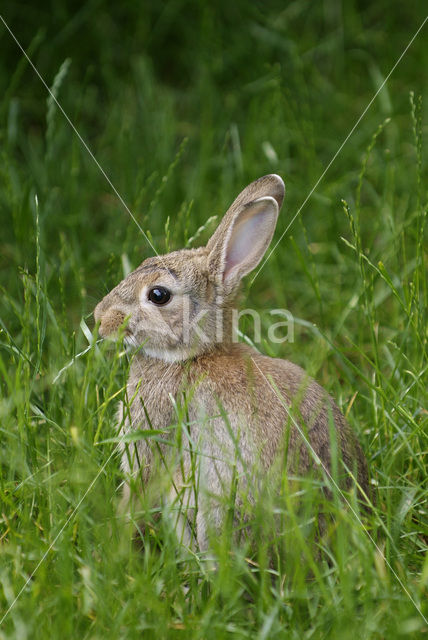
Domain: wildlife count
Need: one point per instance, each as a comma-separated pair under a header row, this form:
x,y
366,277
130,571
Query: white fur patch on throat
x,y
167,355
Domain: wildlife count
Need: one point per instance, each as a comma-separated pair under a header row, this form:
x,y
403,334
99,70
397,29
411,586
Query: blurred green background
x,y
183,103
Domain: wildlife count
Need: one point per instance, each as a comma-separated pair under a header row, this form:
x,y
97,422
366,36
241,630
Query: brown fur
x,y
242,406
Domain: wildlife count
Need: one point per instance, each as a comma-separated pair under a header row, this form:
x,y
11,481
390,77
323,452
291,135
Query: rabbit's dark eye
x,y
159,295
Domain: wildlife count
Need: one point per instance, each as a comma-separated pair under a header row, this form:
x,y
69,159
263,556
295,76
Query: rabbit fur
x,y
241,406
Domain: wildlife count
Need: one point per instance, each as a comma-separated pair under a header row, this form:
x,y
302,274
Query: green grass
x,y
183,104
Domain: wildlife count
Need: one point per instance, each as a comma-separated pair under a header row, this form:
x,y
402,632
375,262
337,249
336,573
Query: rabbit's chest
x,y
151,400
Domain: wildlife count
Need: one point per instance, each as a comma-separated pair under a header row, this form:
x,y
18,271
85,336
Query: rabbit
x,y
176,312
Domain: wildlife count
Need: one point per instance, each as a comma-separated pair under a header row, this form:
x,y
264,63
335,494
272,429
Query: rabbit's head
x,y
178,305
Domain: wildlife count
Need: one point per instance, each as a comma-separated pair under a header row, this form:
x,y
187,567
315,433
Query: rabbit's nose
x,y
111,320
98,312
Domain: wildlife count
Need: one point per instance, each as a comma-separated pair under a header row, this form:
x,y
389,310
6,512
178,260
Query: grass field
x,y
183,103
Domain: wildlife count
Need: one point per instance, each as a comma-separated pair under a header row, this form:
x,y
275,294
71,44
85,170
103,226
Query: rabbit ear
x,y
241,246
244,234
270,185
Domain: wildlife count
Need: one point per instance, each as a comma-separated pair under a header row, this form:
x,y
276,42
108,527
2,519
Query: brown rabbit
x,y
241,406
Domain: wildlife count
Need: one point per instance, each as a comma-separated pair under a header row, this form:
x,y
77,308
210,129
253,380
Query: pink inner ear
x,y
244,242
